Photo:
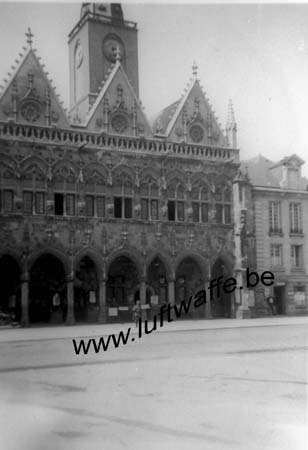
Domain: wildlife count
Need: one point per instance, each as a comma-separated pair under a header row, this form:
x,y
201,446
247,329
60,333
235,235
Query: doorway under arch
x,y
122,283
86,291
47,290
189,280
157,279
10,297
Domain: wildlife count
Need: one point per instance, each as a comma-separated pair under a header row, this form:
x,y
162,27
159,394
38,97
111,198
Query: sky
x,y
255,54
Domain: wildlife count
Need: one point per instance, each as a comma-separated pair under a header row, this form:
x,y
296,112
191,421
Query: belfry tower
x,y
100,36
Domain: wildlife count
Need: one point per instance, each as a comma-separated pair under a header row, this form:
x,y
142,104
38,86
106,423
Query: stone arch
x,y
176,174
95,256
14,254
55,252
154,174
8,162
47,289
130,253
66,164
200,260
93,168
228,260
166,260
34,161
123,169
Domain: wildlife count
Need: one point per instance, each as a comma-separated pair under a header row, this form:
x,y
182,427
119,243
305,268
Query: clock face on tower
x,y
111,46
78,55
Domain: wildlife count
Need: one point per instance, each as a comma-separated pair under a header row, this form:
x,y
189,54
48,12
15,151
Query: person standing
x,y
271,304
137,312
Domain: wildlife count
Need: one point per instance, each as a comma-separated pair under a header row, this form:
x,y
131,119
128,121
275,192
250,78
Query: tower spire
x,y
231,126
195,69
29,36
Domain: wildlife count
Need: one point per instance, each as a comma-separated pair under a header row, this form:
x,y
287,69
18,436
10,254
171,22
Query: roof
x,y
264,172
259,172
163,118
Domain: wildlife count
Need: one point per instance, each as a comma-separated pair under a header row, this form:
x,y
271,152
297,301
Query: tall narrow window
x,y
223,201
70,204
8,199
28,202
296,256
89,205
40,203
149,200
274,217
59,204
128,208
100,206
144,208
171,210
117,207
295,218
276,255
123,201
176,201
95,188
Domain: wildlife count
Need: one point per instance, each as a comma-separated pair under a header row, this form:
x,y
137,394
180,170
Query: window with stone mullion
x,y
223,203
200,203
149,201
176,202
123,197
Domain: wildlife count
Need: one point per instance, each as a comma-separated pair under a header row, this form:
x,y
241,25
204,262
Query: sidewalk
x,y
91,330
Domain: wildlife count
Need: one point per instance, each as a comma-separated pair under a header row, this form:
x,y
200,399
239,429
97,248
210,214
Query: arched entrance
x,y
10,296
47,290
221,304
86,291
157,279
122,282
189,280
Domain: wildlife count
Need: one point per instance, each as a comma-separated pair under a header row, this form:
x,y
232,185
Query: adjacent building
x,y
274,205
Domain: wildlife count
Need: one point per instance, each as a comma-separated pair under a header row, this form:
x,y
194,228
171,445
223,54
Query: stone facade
x,y
98,208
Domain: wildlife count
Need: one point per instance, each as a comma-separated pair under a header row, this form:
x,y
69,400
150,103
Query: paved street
x,y
193,385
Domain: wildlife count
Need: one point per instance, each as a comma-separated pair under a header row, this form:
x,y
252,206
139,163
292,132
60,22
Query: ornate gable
x,y
191,119
28,95
117,109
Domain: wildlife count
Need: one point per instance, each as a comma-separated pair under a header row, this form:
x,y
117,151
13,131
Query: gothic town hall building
x,y
99,207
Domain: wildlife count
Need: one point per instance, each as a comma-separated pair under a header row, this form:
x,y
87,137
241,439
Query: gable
x,y
29,97
197,120
117,109
192,120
